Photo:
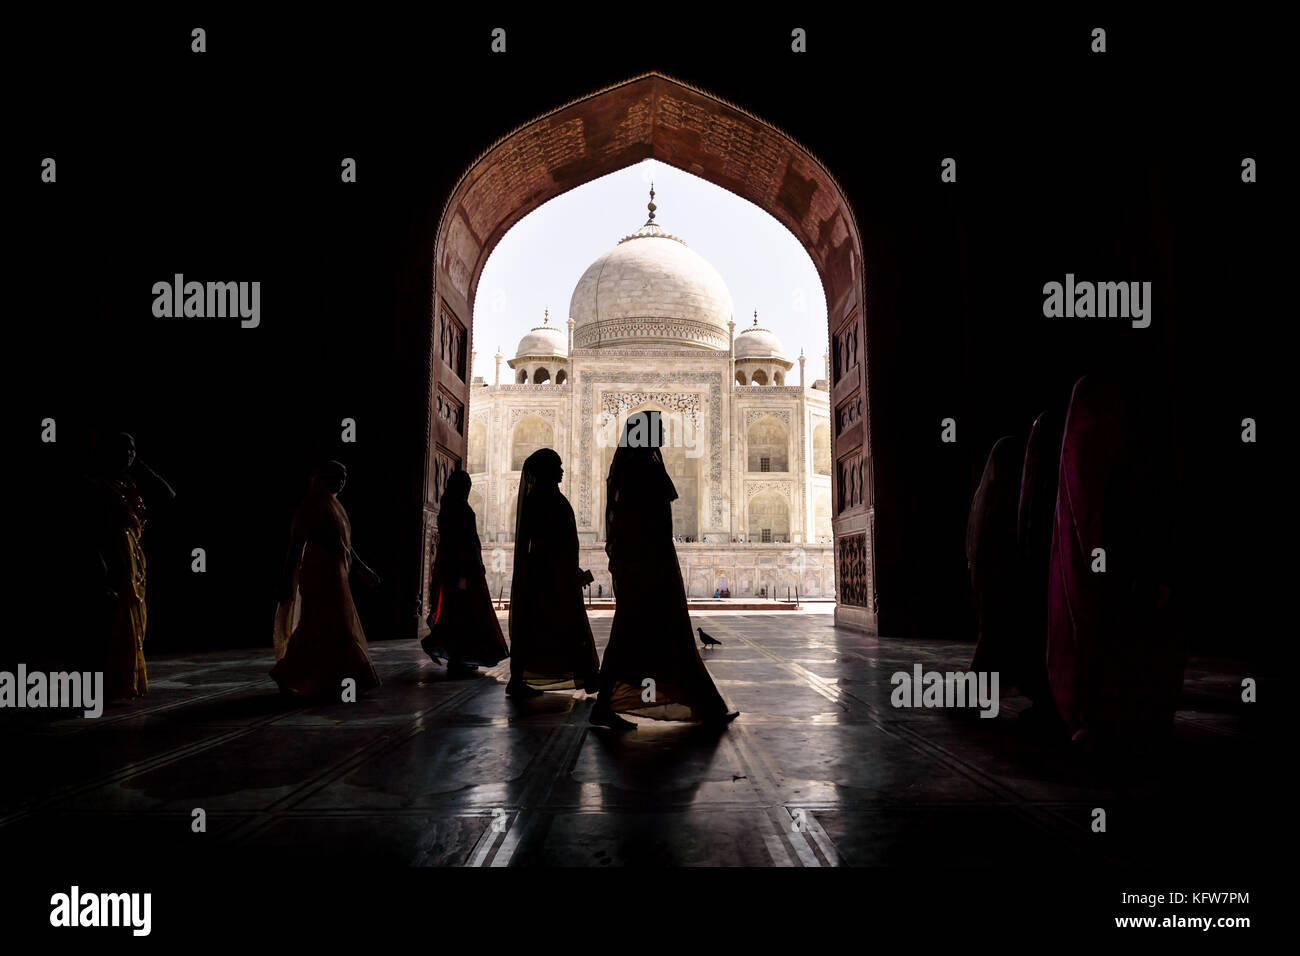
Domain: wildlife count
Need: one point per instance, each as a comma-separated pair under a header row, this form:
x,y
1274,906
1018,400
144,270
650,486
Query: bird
x,y
706,640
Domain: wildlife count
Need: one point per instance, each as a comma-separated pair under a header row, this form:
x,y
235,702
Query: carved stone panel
x,y
450,410
450,340
852,569
784,488
427,558
754,414
516,413
848,414
444,463
852,481
847,353
638,330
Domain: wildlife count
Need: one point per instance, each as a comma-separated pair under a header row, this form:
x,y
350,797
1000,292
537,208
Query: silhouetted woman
x,y
651,637
1035,518
463,627
318,636
120,486
1114,660
551,646
994,562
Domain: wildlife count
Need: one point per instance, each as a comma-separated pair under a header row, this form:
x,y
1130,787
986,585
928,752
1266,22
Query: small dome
x,y
757,342
543,340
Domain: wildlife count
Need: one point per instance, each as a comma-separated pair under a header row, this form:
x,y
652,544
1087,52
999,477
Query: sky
x,y
539,261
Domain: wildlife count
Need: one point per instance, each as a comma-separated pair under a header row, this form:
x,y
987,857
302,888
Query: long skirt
x,y
652,667
551,644
326,646
124,668
1114,661
463,625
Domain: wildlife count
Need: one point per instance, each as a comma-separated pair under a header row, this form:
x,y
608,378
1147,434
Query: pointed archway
x,y
657,117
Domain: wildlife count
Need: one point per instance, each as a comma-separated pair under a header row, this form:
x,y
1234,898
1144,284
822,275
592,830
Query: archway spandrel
x,y
461,253
796,195
618,125
522,170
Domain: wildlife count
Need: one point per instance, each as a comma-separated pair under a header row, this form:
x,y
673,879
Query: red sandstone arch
x,y
656,117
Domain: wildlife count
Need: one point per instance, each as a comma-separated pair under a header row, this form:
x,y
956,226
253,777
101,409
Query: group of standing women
x,y
651,667
1069,545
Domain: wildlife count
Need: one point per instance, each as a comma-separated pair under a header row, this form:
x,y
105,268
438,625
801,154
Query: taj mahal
x,y
651,326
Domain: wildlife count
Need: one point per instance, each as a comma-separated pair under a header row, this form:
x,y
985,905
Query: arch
x,y
740,377
561,377
529,434
768,518
521,377
477,455
759,377
821,442
653,116
778,377
541,376
767,439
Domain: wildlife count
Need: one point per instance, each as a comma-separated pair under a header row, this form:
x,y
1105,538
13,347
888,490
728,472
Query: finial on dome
x,y
651,205
756,316
546,317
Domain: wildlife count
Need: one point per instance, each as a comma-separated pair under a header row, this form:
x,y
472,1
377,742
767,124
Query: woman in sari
x,y
1035,517
120,487
551,643
318,637
463,627
652,667
1114,660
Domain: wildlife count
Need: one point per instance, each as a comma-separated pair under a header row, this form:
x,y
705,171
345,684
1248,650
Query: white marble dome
x,y
651,290
757,342
543,340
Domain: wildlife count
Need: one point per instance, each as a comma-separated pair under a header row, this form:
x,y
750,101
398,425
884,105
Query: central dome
x,y
651,290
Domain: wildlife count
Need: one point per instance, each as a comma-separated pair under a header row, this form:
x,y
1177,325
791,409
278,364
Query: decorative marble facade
x,y
650,327
696,390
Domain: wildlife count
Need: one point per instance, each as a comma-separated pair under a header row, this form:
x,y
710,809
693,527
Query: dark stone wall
x,y
226,167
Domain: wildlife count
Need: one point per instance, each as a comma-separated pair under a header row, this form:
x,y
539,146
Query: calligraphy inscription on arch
x,y
687,403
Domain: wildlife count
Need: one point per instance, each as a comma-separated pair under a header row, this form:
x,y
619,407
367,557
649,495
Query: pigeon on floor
x,y
706,640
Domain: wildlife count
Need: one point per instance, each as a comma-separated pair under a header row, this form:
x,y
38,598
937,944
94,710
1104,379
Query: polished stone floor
x,y
819,770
